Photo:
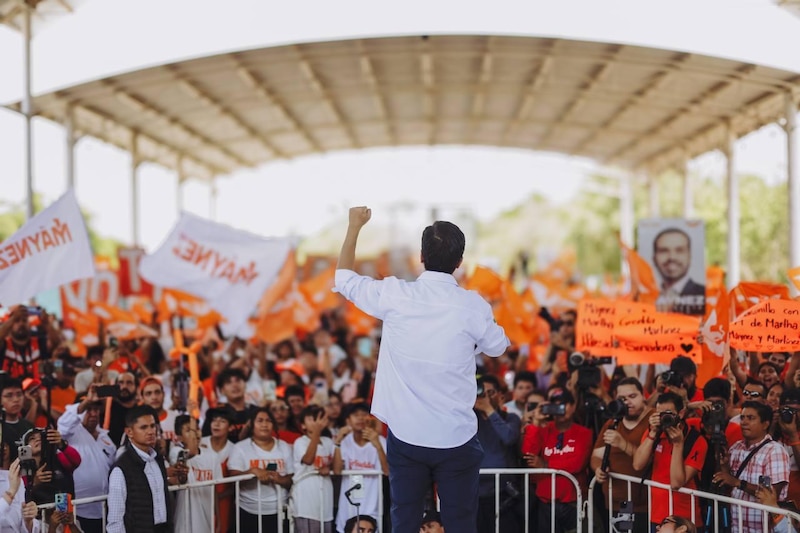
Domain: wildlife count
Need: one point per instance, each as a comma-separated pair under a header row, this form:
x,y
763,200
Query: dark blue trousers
x,y
455,472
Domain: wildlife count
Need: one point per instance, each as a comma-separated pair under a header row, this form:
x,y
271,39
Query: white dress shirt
x,y
97,457
118,493
11,515
432,328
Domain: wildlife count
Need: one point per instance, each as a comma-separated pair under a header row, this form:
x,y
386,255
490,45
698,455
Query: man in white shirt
x,y
425,385
80,425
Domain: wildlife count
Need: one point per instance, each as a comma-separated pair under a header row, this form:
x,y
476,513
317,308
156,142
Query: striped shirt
x,y
118,493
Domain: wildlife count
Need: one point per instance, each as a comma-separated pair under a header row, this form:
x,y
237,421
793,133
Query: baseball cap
x,y
431,516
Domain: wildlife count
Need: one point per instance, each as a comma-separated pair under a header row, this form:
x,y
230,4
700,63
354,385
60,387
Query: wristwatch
x,y
742,485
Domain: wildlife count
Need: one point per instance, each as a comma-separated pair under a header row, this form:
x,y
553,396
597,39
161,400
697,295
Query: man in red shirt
x,y
665,444
562,445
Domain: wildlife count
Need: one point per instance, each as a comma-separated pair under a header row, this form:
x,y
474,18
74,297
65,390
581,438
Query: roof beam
x,y
192,89
378,97
259,87
597,77
479,95
654,83
427,74
142,106
529,93
319,87
712,92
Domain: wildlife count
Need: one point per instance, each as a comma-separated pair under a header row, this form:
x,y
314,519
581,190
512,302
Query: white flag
x,y
51,249
229,268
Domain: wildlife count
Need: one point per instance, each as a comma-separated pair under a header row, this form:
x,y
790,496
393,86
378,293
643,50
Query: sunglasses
x,y
751,393
532,405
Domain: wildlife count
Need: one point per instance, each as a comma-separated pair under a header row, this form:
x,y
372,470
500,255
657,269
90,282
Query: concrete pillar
x,y
27,109
69,126
734,254
793,180
135,188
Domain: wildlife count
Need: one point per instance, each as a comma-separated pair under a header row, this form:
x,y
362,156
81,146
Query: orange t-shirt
x,y
61,398
681,503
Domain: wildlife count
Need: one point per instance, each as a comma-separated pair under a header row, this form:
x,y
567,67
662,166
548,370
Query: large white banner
x,y
51,249
229,268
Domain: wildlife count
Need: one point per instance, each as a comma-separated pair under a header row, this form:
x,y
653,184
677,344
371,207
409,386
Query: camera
x,y
554,409
668,420
481,391
107,391
617,409
589,375
673,379
787,414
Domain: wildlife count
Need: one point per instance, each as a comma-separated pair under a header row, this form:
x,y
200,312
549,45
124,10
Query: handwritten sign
x,y
594,328
644,335
770,326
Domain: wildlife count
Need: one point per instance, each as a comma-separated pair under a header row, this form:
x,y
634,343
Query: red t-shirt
x,y
681,503
569,453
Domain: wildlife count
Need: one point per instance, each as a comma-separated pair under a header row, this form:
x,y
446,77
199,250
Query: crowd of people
x,y
119,422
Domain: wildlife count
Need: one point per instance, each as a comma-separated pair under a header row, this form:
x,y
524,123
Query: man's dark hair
x,y
262,409
351,525
630,380
672,230
683,365
9,383
180,422
753,381
311,411
294,390
530,377
490,378
442,247
138,411
790,396
671,397
227,374
354,407
771,365
717,387
764,411
94,351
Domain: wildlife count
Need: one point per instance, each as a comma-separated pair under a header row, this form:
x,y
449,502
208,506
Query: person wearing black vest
x,y
138,500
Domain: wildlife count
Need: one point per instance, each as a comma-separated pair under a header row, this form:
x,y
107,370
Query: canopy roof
x,y
631,106
11,11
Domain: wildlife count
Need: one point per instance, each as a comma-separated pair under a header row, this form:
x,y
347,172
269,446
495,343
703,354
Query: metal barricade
x,y
525,473
694,495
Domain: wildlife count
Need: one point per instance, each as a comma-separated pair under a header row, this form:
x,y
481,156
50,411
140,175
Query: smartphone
x,y
25,453
272,467
364,347
34,310
764,481
63,502
554,409
113,342
107,391
58,364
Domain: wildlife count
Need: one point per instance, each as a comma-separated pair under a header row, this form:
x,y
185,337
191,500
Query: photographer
x,y
677,454
498,433
681,378
618,440
755,460
788,434
562,445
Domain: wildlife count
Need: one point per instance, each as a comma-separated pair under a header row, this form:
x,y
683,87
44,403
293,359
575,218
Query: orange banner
x,y
646,336
770,326
748,293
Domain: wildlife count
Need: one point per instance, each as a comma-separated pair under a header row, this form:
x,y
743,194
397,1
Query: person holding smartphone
x,y
270,460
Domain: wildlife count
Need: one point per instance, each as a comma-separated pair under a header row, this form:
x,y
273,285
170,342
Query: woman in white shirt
x,y
16,516
270,461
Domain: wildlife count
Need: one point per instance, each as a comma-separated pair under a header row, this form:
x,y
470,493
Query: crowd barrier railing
x,y
281,497
694,495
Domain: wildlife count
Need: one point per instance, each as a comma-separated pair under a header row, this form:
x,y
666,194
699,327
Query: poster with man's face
x,y
675,248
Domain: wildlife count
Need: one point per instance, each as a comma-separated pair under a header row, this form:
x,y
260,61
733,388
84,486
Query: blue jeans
x,y
455,471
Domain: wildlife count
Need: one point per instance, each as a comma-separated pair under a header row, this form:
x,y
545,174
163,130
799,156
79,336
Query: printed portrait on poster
x,y
675,248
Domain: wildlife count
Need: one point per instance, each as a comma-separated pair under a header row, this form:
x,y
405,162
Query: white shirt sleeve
x,y
493,342
69,421
363,291
117,494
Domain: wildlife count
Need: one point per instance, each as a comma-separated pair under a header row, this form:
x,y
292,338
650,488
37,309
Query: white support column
x,y
793,181
179,186
135,188
212,200
734,256
69,125
27,108
688,199
626,213
652,195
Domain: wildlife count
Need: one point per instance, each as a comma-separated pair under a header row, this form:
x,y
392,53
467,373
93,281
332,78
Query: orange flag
x,y
318,290
360,322
714,330
486,282
281,286
748,293
643,283
290,313
794,277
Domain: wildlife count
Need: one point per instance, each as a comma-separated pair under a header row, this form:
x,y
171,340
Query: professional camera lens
x,y
668,419
787,414
576,359
617,409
